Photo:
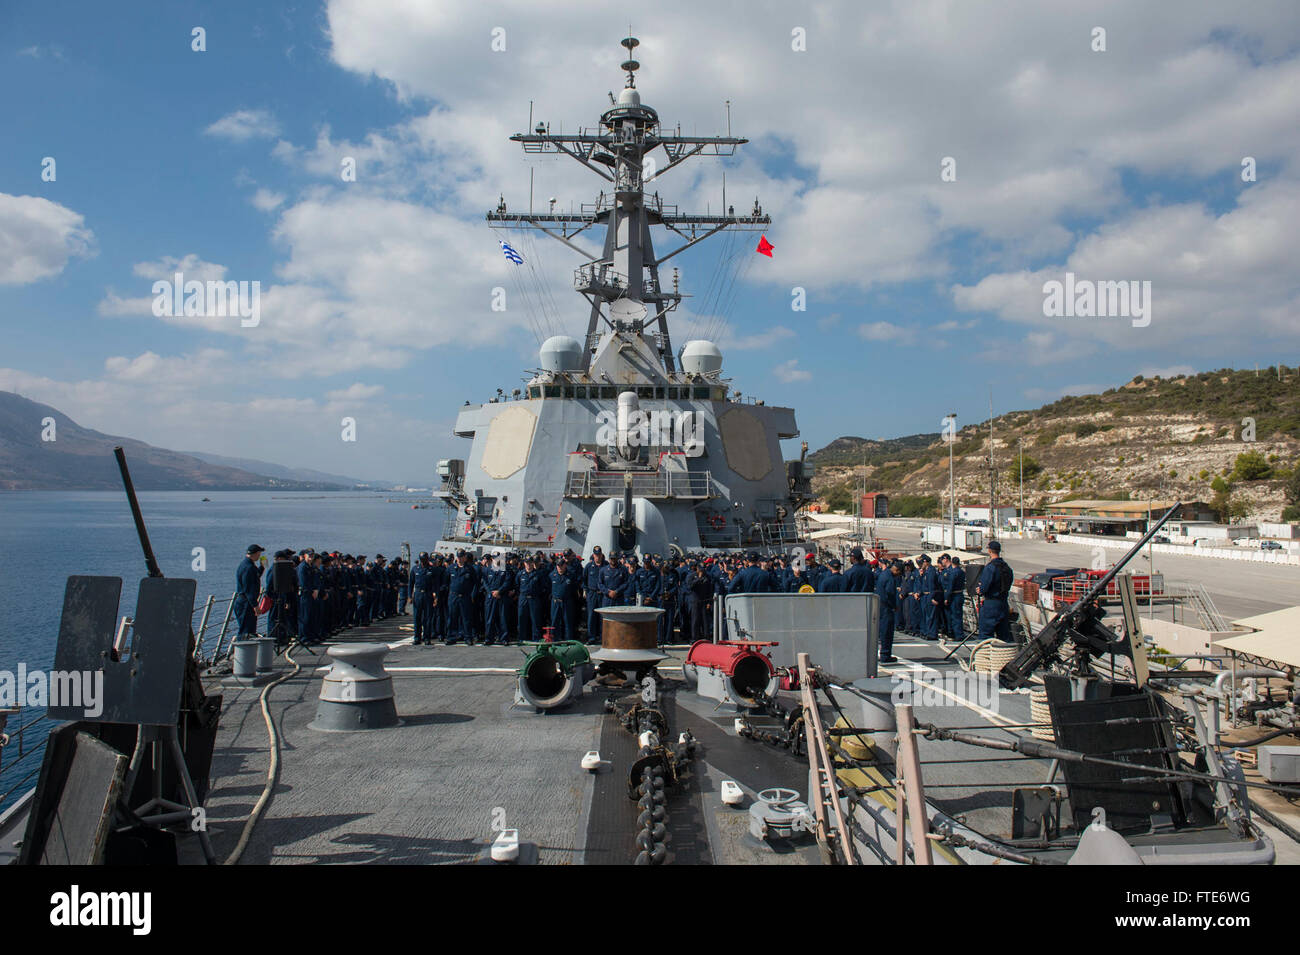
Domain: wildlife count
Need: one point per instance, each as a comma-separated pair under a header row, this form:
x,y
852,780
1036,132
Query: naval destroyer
x,y
618,440
460,754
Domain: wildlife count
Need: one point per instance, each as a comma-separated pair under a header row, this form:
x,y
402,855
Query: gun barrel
x,y
1100,586
149,561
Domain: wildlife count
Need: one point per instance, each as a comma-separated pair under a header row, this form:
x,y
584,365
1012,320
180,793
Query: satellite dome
x,y
629,97
701,357
561,353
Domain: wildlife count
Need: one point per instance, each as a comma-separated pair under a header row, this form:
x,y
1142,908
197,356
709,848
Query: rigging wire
x,y
546,301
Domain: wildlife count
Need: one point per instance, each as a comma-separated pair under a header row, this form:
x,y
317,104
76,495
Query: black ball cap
x,y
255,549
995,547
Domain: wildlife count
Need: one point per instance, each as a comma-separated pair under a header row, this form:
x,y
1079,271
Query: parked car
x,y
1161,539
1269,545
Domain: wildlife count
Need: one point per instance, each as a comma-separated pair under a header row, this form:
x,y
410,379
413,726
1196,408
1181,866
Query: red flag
x,y
764,247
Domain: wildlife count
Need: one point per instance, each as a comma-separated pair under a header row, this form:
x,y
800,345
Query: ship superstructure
x,y
617,439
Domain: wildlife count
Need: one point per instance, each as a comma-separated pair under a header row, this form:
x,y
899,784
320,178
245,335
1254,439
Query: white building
x,y
978,512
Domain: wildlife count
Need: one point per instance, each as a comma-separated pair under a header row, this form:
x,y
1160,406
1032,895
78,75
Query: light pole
x,y
1021,442
952,499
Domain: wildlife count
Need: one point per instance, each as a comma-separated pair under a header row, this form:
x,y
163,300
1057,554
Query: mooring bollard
x,y
245,663
357,692
265,655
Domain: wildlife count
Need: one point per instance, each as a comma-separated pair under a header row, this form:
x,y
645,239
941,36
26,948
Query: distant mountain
x,y
288,474
1228,437
81,459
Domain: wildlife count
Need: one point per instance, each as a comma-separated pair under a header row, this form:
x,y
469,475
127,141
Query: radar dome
x,y
629,97
701,357
561,353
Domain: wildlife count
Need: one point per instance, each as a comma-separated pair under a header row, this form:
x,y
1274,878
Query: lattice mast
x,y
622,285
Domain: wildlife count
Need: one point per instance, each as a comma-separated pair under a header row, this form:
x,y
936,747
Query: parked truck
x,y
941,535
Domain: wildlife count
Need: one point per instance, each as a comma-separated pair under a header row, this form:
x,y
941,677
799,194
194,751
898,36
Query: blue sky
x,y
1122,164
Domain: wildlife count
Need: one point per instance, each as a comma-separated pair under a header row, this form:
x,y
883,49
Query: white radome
x,y
700,357
561,353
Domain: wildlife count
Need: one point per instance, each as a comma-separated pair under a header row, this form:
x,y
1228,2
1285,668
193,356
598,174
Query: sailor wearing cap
x,y
956,599
930,599
670,581
646,584
887,591
460,610
561,592
613,581
859,578
420,579
248,586
495,580
813,570
595,594
699,598
307,589
833,582
994,585
532,599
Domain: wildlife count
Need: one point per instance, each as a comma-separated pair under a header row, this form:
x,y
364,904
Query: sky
x,y
929,168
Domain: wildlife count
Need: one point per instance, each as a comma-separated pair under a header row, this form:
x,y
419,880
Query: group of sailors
x,y
312,595
525,596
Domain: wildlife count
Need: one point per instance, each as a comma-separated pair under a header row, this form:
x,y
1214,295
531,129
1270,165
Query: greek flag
x,y
511,254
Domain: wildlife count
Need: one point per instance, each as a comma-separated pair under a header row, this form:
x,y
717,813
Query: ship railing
x,y
602,277
23,732
688,485
767,535
209,635
495,533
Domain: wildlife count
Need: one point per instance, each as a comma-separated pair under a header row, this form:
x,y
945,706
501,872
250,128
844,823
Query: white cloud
x,y
885,332
789,372
245,124
755,342
1214,278
355,392
38,237
1042,142
264,200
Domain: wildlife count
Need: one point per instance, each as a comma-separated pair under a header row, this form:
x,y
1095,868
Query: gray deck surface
x,y
465,761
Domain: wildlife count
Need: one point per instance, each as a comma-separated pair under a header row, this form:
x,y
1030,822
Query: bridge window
x,y
702,391
551,391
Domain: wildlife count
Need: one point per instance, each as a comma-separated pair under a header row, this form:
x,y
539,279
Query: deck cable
x,y
273,771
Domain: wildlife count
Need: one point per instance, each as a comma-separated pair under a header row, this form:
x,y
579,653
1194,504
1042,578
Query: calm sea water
x,y
47,535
